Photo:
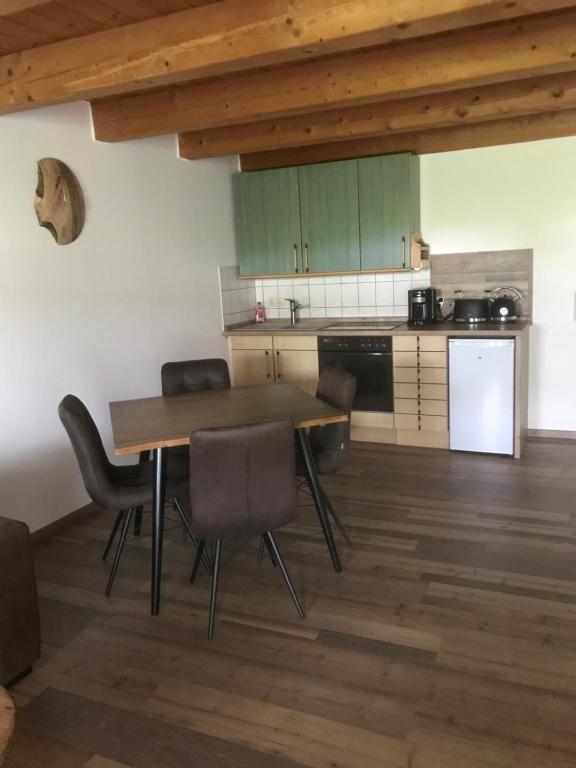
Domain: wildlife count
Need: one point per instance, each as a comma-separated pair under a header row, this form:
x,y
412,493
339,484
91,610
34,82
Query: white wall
x,y
519,196
98,317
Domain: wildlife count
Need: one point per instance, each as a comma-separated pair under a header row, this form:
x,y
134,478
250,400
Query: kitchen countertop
x,y
318,328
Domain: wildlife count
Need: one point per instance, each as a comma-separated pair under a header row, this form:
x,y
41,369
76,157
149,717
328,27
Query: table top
x,y
161,422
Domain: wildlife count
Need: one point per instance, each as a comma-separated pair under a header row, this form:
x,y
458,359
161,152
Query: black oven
x,y
369,358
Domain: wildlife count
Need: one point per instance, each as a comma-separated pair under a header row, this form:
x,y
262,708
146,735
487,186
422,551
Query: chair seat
x,y
134,482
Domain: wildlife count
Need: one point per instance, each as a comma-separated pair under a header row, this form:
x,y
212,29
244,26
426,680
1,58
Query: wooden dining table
x,y
157,423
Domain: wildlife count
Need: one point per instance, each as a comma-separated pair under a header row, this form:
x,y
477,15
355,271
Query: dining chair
x,y
242,484
181,377
123,489
330,444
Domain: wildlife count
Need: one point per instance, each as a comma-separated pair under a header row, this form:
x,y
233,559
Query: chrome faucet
x,y
294,306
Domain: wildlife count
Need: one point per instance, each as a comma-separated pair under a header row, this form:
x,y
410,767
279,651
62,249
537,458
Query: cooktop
x,y
364,325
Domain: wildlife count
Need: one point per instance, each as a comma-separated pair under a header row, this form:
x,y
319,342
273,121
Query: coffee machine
x,y
423,306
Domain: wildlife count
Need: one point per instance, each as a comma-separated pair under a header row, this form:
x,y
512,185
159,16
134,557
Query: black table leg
x,y
318,496
159,458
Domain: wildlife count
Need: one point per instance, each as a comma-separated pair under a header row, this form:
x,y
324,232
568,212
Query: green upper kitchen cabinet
x,y
329,216
389,203
267,222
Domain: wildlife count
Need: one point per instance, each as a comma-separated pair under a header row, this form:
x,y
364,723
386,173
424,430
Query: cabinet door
x,y
388,190
267,222
252,366
329,216
299,368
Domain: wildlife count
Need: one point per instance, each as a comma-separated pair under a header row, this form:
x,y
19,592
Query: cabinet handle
x,y
278,372
295,258
268,374
403,252
306,269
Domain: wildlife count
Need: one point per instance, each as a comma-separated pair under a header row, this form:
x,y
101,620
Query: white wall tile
x,y
317,295
384,277
385,311
301,294
350,294
334,312
304,313
367,294
349,279
333,279
402,277
270,296
384,294
316,280
367,277
333,295
317,312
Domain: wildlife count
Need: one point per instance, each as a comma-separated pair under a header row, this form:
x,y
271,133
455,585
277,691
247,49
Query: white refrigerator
x,y
481,395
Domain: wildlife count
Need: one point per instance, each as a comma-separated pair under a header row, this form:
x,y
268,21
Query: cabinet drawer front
x,y
406,375
434,391
251,342
432,359
405,405
296,343
405,421
406,390
433,375
432,343
434,423
433,407
405,359
404,343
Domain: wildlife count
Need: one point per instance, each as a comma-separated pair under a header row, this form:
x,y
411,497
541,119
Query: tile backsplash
x,y
382,294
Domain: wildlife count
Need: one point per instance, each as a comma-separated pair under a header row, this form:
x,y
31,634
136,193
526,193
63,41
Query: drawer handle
x,y
403,252
295,258
306,269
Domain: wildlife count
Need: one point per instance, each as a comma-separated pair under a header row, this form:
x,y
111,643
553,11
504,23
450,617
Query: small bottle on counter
x,y
260,313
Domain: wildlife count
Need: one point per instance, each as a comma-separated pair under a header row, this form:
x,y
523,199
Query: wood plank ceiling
x,y
285,82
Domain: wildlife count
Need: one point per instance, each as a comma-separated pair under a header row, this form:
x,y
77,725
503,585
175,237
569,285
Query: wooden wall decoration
x,y
59,202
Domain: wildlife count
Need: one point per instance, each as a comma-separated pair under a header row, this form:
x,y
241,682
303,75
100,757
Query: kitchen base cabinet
x,y
421,391
372,427
261,359
252,360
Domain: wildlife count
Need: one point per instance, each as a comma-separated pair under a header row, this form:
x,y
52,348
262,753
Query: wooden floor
x,y
449,641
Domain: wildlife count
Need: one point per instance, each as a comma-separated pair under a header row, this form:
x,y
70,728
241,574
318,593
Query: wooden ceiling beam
x,y
8,7
489,54
549,125
229,36
470,105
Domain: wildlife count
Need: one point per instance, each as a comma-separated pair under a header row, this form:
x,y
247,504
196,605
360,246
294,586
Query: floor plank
x,y
449,640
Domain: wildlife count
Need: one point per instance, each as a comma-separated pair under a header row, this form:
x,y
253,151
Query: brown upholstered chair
x,y
194,376
19,620
330,444
124,489
242,484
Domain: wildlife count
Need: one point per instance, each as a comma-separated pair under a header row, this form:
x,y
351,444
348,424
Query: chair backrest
x,y
242,479
194,376
331,443
94,465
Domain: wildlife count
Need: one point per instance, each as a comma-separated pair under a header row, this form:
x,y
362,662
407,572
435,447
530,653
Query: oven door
x,y
374,377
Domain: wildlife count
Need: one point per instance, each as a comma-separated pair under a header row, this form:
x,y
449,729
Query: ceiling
x,y
285,82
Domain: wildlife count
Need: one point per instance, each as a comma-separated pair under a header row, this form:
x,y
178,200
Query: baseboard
x,y
553,434
57,525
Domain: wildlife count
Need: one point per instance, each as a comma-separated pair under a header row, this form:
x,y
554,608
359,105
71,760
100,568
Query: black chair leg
x,y
197,560
186,524
272,542
138,521
113,533
261,550
123,536
214,594
339,524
